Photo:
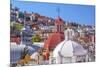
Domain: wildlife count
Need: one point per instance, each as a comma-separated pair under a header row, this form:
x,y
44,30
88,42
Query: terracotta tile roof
x,y
53,40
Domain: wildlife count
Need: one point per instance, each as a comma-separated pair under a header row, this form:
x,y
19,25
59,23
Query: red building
x,y
14,38
55,37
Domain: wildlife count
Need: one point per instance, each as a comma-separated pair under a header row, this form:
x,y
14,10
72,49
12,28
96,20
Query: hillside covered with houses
x,y
33,29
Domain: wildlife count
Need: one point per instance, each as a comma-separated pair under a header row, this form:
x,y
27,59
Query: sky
x,y
82,14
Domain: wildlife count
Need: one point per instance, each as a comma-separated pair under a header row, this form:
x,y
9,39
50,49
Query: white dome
x,y
69,48
57,49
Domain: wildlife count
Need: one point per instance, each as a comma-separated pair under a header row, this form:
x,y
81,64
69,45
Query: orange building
x,y
55,37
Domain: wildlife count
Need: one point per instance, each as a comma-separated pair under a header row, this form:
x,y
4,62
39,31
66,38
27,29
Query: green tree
x,y
18,26
36,38
21,15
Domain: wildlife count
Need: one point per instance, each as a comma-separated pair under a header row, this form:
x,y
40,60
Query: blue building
x,y
27,36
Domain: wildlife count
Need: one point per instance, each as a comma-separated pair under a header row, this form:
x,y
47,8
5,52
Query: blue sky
x,y
82,14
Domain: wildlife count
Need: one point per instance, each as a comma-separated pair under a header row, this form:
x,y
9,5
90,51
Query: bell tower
x,y
59,23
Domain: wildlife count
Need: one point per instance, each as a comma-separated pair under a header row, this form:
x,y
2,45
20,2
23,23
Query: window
x,y
27,18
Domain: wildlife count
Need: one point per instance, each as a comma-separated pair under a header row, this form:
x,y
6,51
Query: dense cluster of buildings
x,y
24,26
31,24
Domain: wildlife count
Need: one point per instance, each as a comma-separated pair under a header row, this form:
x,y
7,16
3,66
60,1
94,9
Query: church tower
x,y
59,24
